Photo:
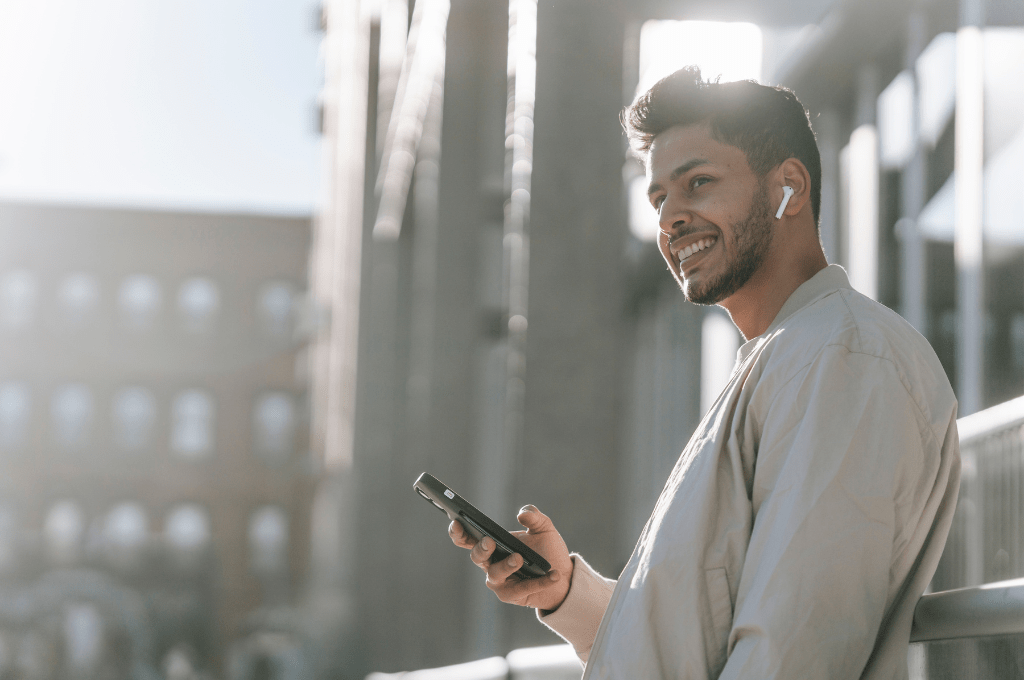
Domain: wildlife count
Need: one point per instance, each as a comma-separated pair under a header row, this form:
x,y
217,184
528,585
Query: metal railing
x,y
981,611
554,662
986,542
975,619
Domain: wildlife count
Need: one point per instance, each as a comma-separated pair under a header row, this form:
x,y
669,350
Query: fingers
x,y
527,592
459,535
534,520
481,552
499,572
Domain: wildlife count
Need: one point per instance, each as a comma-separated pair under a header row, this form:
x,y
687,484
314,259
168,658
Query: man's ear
x,y
792,173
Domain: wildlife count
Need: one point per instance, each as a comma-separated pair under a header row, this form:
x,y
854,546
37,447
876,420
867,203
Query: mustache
x,y
689,232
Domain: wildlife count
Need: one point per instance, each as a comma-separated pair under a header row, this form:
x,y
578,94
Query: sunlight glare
x,y
732,50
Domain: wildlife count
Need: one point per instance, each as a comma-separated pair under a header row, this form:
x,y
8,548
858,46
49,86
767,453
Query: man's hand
x,y
545,592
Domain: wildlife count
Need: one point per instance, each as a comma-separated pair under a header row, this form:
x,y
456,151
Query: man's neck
x,y
754,306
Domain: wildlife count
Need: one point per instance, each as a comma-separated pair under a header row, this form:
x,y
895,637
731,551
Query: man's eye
x,y
699,181
657,203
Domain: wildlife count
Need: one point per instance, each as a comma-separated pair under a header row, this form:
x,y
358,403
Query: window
x,y
268,540
139,300
134,418
198,304
125,534
72,413
276,308
192,424
15,412
18,293
274,423
62,532
896,126
178,664
78,297
187,533
83,638
9,534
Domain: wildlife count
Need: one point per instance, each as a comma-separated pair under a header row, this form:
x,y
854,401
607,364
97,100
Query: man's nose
x,y
673,219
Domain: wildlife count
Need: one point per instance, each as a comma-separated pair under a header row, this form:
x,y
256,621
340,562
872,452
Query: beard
x,y
753,238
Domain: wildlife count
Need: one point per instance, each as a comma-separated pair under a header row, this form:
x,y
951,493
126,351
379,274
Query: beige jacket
x,y
804,518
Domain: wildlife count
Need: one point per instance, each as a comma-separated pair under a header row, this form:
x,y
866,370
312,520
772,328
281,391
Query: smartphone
x,y
478,525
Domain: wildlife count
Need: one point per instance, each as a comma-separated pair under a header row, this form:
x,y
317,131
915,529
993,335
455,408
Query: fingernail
x,y
485,543
527,508
514,560
554,576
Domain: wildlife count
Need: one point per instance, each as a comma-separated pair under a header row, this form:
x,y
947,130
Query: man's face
x,y
715,216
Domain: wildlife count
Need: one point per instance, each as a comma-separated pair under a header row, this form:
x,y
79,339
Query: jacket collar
x,y
828,280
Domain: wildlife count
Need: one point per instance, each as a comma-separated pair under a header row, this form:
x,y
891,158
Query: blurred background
x,y
263,263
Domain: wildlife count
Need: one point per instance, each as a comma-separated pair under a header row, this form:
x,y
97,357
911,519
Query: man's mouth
x,y
693,249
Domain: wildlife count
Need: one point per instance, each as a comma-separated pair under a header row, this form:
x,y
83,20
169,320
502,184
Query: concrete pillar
x,y
568,462
829,129
422,367
393,536
665,405
968,239
335,278
469,210
385,625
862,208
913,293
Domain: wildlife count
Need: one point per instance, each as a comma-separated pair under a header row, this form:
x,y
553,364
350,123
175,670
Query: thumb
x,y
534,520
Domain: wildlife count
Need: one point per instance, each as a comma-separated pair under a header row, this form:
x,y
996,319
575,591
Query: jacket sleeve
x,y
844,459
579,616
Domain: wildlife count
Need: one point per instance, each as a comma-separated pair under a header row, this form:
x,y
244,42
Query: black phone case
x,y
478,525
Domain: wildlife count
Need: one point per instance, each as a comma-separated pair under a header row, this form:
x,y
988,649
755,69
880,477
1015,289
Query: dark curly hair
x,y
768,124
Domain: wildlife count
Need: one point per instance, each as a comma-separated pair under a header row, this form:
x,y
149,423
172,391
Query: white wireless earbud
x,y
787,193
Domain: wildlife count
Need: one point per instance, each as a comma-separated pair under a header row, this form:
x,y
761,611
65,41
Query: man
x,y
808,512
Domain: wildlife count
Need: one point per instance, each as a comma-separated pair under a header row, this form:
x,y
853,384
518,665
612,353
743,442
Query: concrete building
x,y
152,433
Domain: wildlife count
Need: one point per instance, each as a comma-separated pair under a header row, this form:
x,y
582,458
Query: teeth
x,y
695,248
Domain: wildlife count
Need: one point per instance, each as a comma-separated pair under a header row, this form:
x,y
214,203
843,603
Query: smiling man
x,y
807,513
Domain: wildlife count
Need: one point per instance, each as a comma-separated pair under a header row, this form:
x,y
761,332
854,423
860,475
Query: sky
x,y
206,105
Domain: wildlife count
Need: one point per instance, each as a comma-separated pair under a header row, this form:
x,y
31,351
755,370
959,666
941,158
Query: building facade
x,y
157,488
